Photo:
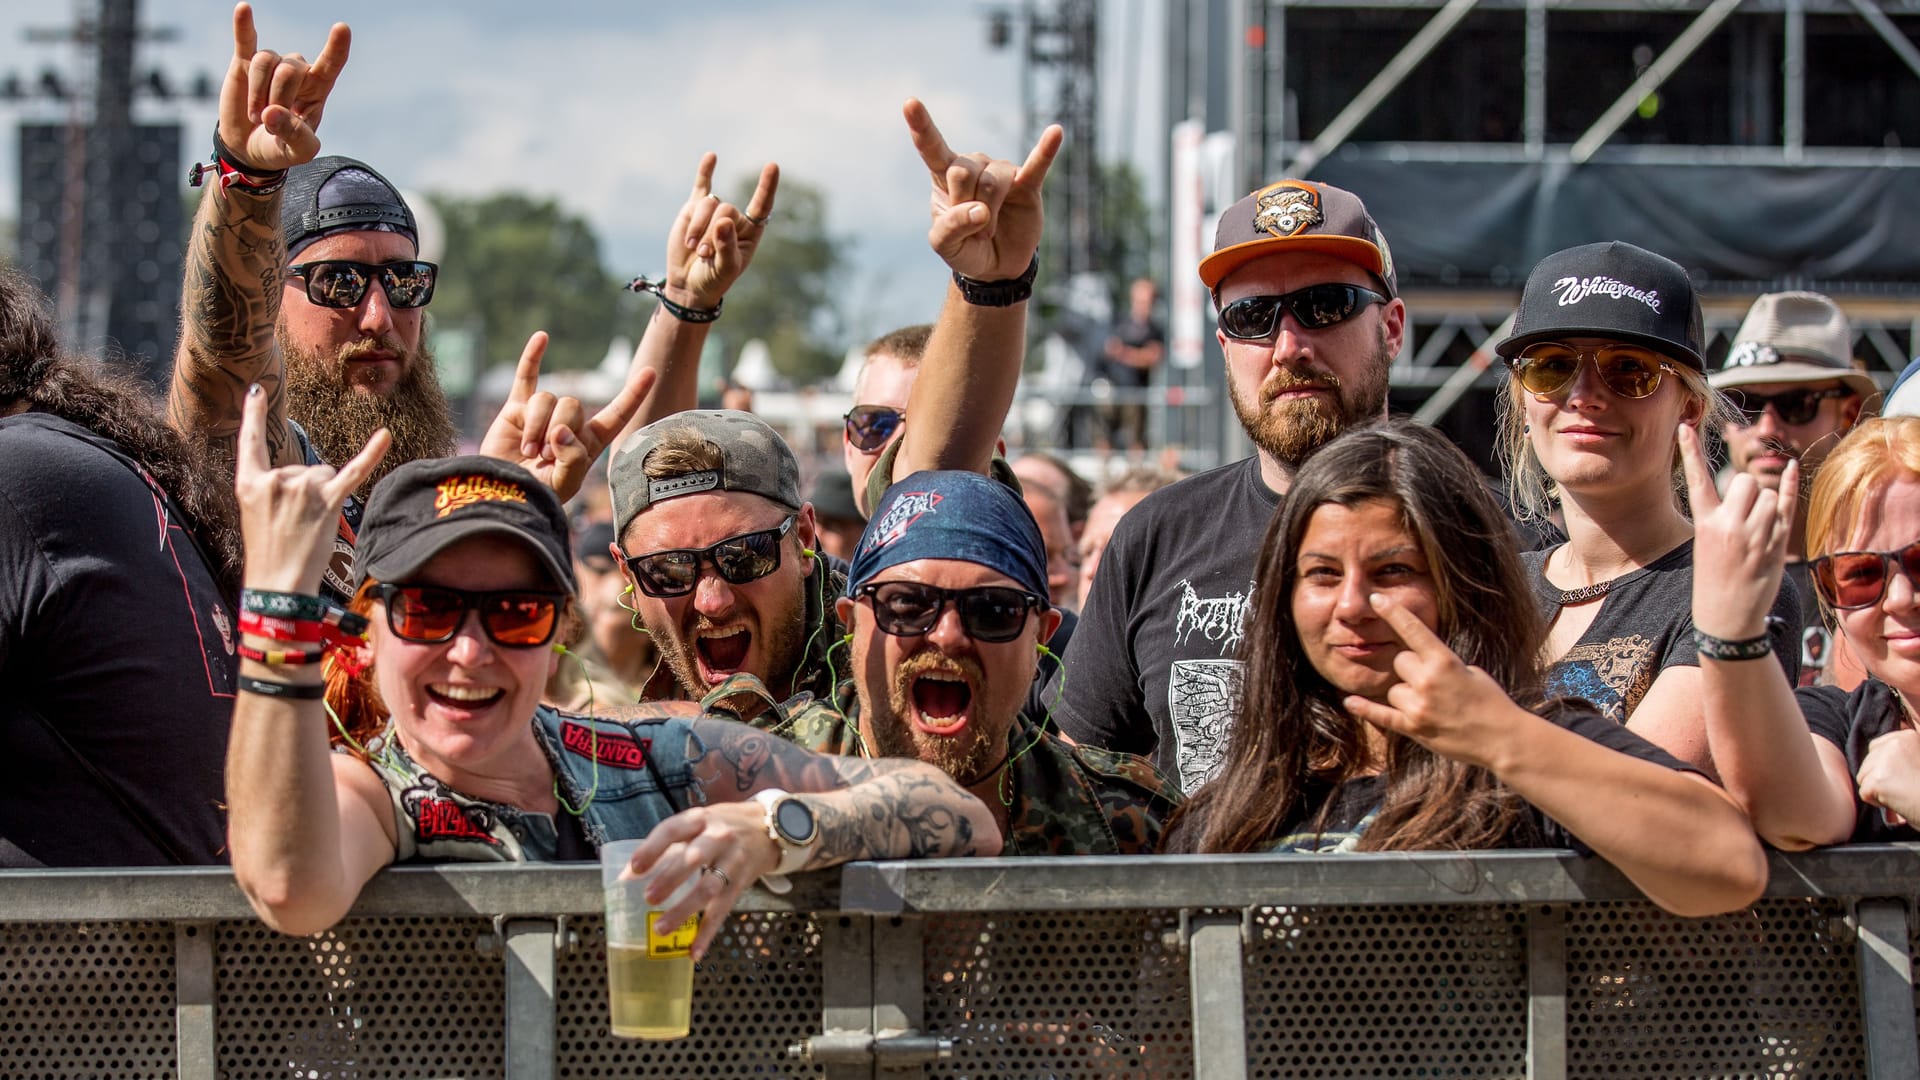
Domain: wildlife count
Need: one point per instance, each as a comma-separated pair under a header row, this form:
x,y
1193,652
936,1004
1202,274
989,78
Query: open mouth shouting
x,y
939,693
721,651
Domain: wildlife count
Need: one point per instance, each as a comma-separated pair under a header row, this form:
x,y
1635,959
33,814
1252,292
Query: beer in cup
x,y
649,966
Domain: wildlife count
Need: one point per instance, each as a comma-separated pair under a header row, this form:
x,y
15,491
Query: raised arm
x,y
270,108
987,220
1679,838
307,827
710,245
885,809
1793,783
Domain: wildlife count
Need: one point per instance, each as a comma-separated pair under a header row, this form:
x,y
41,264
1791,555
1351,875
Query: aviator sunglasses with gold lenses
x,y
1629,371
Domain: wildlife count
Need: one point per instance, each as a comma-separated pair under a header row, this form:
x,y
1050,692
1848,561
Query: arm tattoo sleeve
x,y
230,304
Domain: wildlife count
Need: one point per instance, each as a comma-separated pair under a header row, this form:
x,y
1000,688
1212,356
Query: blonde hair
x,y
1872,455
1533,494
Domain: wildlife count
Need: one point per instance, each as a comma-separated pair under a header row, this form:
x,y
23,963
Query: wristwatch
x,y
791,824
999,293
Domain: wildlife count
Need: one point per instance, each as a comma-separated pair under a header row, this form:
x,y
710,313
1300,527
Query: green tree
x,y
789,297
514,264
1125,240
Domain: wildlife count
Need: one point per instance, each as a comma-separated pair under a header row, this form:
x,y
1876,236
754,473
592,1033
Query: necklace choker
x,y
1584,593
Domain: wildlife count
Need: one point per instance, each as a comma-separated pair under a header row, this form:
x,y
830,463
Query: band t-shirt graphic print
x,y
1153,670
1645,625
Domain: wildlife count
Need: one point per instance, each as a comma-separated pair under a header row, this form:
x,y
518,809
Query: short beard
x,y
966,759
1291,432
340,419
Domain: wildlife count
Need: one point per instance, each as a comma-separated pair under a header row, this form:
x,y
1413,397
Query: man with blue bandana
x,y
946,605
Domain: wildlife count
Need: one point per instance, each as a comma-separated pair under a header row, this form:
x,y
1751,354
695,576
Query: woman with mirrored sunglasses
x,y
446,752
1820,764
1393,699
1604,372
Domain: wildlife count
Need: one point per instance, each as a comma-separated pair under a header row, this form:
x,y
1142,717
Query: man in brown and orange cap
x,y
1309,321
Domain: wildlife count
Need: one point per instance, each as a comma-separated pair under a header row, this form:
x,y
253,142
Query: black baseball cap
x,y
338,194
1612,290
423,507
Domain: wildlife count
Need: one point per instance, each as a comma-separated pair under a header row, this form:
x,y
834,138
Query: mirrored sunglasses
x,y
737,559
870,426
342,283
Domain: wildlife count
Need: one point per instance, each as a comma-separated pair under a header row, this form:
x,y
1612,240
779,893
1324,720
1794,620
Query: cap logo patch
x,y
1752,354
466,490
1287,210
1572,290
907,509
684,484
1386,255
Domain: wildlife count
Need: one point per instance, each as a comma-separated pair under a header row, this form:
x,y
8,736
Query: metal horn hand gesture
x,y
1739,543
550,436
987,213
288,516
270,103
712,241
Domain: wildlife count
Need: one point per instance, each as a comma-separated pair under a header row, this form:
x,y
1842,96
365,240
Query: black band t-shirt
x,y
1851,721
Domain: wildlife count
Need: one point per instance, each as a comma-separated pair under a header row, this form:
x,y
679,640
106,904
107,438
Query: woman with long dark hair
x,y
1392,696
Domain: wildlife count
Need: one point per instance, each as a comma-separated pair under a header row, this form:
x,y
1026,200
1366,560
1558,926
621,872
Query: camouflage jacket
x,y
1061,798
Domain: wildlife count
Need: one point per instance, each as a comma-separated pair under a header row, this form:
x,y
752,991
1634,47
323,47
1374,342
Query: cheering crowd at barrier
x,y
281,625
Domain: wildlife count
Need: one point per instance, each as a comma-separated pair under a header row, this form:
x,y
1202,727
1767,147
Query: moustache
x,y
1285,379
933,662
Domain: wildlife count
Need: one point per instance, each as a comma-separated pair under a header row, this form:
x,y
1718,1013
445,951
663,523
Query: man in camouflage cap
x,y
947,604
718,548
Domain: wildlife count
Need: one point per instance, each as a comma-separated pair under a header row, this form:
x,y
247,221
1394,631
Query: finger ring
x,y
759,222
717,872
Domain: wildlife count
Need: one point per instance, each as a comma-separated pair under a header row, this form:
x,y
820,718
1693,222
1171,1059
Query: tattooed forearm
x,y
230,300
904,814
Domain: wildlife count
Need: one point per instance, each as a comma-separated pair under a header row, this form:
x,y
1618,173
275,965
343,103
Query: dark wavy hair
x,y
1290,736
111,402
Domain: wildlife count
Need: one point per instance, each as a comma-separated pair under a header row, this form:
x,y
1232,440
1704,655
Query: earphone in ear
x,y
808,552
559,648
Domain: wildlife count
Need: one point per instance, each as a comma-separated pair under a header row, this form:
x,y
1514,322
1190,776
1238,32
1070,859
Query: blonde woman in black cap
x,y
464,577
1605,370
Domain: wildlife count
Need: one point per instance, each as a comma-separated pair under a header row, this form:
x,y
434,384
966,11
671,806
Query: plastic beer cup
x,y
649,966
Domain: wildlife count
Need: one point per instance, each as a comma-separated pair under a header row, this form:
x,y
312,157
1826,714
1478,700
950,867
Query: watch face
x,y
795,821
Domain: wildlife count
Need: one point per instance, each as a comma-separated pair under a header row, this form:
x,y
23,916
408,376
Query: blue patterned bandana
x,y
952,515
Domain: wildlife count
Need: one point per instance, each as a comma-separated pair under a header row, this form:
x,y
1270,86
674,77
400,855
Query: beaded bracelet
x,y
287,690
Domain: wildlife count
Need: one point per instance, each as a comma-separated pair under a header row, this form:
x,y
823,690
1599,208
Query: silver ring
x,y
758,222
717,872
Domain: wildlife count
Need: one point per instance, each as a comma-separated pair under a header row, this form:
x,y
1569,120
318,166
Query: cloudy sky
x,y
607,104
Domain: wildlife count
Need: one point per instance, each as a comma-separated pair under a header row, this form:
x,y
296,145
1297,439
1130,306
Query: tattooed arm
x,y
885,809
270,106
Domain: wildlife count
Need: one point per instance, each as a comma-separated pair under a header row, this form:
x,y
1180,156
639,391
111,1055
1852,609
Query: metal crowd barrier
x,y
1525,964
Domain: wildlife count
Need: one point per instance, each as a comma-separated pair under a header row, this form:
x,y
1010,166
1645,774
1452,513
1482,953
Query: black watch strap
x,y
999,293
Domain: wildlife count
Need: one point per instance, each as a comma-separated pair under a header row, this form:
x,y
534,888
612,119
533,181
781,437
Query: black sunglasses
x,y
342,283
1316,307
738,559
1791,406
990,613
1850,580
430,614
870,426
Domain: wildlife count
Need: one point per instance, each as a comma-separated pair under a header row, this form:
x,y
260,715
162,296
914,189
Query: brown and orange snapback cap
x,y
1298,215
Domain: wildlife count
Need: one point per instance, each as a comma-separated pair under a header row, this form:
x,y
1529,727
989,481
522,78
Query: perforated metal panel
x,y
369,999
1040,995
756,993
1389,992
1773,991
87,1000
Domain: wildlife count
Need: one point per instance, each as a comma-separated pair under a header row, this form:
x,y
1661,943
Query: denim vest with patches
x,y
625,777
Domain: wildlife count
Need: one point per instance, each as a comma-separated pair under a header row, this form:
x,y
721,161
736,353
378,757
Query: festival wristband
x,y
278,657
285,605
278,629
1722,649
285,690
678,311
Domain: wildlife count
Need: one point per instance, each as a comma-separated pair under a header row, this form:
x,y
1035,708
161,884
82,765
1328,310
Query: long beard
x,y
965,758
1292,431
340,419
